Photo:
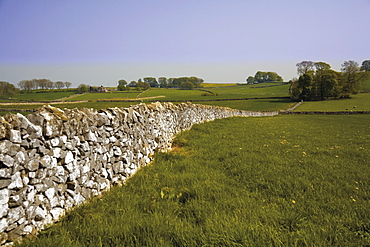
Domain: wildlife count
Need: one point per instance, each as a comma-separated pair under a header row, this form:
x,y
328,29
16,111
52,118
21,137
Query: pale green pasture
x,y
357,102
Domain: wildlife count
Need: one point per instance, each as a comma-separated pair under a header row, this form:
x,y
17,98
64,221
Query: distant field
x,y
218,84
48,96
109,95
254,105
357,102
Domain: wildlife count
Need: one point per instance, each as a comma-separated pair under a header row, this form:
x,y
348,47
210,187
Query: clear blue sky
x,y
99,42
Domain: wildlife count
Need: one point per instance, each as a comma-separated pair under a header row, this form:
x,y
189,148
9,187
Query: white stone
x,y
7,160
39,213
57,212
78,198
4,196
28,229
46,161
112,139
15,136
104,172
17,181
63,139
3,224
69,157
50,193
14,214
20,157
55,142
3,210
90,136
57,152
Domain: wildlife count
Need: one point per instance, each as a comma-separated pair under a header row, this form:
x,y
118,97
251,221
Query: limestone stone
x,y
39,214
14,214
57,212
7,160
3,224
32,165
69,157
16,181
15,136
3,210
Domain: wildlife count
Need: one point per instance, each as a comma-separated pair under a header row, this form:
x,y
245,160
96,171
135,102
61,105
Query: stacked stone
x,y
53,159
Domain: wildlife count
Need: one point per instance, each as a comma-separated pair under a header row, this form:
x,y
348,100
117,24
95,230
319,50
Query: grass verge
x,y
273,181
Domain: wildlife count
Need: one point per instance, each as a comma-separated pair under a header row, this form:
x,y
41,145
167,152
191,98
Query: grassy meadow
x,y
357,102
288,180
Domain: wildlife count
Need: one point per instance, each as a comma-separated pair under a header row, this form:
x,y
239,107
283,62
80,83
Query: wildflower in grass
x,y
336,156
304,153
356,188
293,201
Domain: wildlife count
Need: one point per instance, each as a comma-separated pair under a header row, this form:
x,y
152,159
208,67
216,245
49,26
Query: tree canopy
x,y
7,89
180,82
317,81
261,77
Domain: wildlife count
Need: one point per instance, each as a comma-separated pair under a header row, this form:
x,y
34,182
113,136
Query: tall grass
x,y
274,181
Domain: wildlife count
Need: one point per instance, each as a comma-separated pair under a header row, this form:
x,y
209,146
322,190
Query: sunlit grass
x,y
272,181
357,102
44,96
109,95
254,105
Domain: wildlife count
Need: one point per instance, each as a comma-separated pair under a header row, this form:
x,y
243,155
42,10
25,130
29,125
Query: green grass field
x,y
274,181
109,95
44,96
357,102
254,105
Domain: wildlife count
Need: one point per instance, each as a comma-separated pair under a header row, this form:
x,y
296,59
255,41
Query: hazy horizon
x,y
98,43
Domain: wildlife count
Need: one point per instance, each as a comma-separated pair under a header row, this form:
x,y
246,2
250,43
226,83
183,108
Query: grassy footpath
x,y
273,181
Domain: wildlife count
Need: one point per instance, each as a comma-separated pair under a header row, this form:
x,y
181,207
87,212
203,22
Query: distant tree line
x,y
317,81
261,77
34,84
163,82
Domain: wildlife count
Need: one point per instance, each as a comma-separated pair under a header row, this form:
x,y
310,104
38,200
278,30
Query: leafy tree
x,y
59,84
351,77
187,85
132,84
67,84
305,83
326,84
320,82
122,82
7,89
250,80
151,81
322,66
366,65
304,66
163,82
142,85
261,76
26,85
50,84
83,88
122,85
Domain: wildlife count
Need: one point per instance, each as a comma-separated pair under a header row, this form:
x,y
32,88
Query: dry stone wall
x,y
53,159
